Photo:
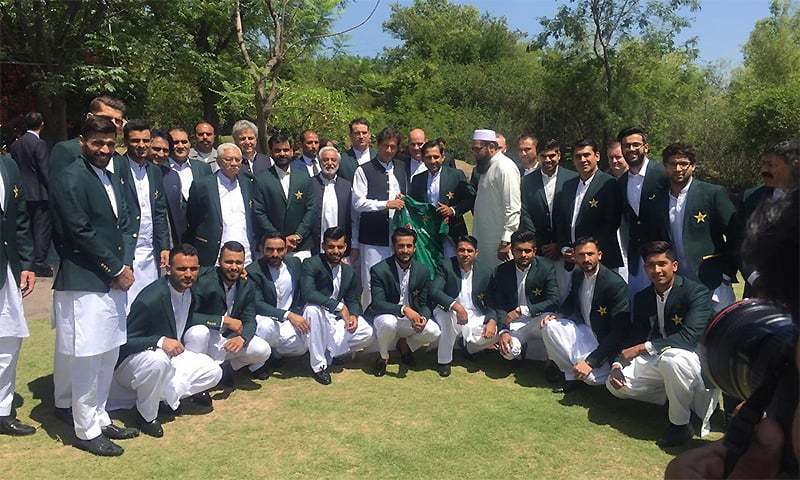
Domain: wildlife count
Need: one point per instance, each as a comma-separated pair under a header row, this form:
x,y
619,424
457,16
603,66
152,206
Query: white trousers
x,y
83,383
201,339
145,272
370,255
389,328
282,337
526,331
146,378
328,337
471,332
673,375
9,354
568,343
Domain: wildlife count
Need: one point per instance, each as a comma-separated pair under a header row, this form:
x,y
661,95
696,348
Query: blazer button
x,y
135,235
119,249
137,217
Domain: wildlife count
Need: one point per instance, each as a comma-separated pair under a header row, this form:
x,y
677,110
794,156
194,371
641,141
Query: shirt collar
x,y
309,161
281,172
358,152
643,170
179,166
663,297
589,180
527,269
31,131
325,180
99,171
400,268
593,276
226,182
544,175
135,165
176,295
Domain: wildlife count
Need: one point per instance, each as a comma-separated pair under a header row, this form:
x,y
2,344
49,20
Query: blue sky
x,y
722,26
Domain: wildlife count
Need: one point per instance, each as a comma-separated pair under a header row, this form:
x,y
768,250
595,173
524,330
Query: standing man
x,y
399,307
497,203
31,154
378,189
461,307
334,198
590,206
541,197
445,188
147,207
333,293
284,199
309,144
359,152
669,318
158,153
641,186
66,152
177,186
592,323
97,247
153,364
16,282
416,162
245,136
617,166
203,150
528,159
523,291
220,209
700,219
223,323
279,301
502,144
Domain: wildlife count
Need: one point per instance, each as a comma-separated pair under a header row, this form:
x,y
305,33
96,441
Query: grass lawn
x,y
485,421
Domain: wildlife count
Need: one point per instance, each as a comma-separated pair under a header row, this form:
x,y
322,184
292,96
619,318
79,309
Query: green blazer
x,y
158,201
610,317
210,306
204,217
536,215
348,165
92,242
275,213
454,191
541,288
266,297
151,317
599,216
709,233
447,286
63,154
686,314
316,284
17,247
385,289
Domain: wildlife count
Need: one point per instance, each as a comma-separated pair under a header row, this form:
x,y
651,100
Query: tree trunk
x,y
210,98
263,112
54,110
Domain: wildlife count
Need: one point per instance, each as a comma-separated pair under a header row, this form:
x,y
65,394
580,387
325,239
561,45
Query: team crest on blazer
x,y
602,311
593,203
156,194
450,195
536,292
652,197
700,216
677,319
16,191
298,195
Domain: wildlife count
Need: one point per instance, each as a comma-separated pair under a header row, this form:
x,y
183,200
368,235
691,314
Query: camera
x,y
750,351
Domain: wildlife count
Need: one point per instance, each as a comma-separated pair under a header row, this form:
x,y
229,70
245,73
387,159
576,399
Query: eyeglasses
x,y
160,149
116,121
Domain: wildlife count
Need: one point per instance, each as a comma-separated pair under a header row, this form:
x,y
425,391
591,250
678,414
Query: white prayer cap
x,y
484,135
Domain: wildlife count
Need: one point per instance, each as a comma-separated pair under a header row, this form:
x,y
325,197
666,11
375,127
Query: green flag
x,y
430,227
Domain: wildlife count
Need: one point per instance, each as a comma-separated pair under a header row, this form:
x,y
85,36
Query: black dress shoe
x,y
165,409
675,435
100,446
444,369
552,373
152,428
64,414
322,377
203,399
261,374
572,386
114,432
12,426
380,367
228,380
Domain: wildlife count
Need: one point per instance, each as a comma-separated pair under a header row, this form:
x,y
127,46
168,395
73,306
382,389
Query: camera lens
x,y
746,343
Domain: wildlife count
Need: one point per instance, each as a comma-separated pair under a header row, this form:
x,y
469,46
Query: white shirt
x,y
234,218
3,194
330,206
312,164
284,177
362,156
433,187
184,173
580,192
103,175
634,188
585,296
416,167
522,299
677,212
403,276
661,302
465,293
527,171
336,274
144,238
33,132
180,308
284,290
497,207
550,191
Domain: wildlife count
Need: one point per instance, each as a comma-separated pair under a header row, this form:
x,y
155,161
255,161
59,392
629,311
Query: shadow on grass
x,y
42,389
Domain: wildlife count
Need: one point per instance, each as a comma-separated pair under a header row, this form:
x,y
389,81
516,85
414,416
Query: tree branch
x,y
237,21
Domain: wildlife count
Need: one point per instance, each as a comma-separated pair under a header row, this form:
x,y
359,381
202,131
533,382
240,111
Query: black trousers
x,y
41,230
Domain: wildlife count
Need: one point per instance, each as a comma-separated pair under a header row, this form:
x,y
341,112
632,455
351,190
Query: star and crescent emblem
x,y
593,203
16,191
156,194
536,292
481,296
677,319
298,195
450,195
602,311
700,217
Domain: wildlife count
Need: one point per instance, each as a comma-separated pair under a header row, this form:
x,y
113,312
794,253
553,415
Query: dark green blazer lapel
x,y
274,171
590,195
6,178
166,306
213,199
